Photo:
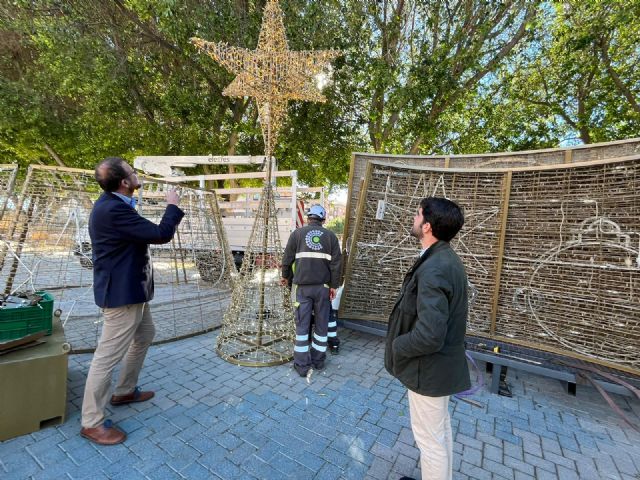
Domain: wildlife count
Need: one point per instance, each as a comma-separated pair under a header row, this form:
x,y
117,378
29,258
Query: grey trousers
x,y
127,333
308,299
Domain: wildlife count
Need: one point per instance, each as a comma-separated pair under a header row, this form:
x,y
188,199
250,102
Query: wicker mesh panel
x,y
606,150
529,158
503,160
51,250
359,167
384,249
571,277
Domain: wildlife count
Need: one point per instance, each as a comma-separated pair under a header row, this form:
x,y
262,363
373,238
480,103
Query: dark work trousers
x,y
332,332
311,299
334,341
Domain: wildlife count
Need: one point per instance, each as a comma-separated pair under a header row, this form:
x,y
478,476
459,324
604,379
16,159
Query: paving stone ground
x,y
212,419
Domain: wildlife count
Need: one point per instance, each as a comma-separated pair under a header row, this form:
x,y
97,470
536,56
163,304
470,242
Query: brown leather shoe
x,y
136,396
104,434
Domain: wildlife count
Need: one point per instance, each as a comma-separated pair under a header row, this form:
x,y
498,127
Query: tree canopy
x,y
84,79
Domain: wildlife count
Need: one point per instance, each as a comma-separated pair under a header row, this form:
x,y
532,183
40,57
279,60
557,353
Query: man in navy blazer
x,y
122,286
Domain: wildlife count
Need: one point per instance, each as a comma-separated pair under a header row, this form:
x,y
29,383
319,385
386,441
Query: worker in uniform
x,y
316,253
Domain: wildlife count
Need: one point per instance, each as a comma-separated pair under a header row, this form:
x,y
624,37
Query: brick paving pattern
x,y
212,419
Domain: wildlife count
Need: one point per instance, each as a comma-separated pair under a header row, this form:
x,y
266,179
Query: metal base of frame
x,y
242,356
497,360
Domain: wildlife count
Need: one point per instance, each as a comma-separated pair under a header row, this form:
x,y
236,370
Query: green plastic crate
x,y
19,322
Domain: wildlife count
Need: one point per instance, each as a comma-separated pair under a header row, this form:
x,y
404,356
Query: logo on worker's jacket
x,y
313,239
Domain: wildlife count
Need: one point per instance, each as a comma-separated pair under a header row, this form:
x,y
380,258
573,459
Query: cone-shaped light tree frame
x,y
258,328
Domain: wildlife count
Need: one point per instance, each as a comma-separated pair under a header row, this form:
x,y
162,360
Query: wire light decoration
x,y
258,328
384,248
48,248
552,253
527,158
8,174
272,74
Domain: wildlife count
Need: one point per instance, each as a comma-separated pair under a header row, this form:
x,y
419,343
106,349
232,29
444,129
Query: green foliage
x,y
564,79
336,225
86,79
89,79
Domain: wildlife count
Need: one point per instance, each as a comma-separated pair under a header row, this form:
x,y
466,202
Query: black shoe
x,y
406,478
301,371
504,390
318,366
334,349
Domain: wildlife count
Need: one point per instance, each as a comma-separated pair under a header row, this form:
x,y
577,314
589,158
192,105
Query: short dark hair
x,y
444,216
110,172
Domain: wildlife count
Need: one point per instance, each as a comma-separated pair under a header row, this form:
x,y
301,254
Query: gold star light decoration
x,y
271,73
258,327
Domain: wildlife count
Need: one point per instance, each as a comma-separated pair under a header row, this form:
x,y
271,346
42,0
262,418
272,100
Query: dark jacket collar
x,y
439,245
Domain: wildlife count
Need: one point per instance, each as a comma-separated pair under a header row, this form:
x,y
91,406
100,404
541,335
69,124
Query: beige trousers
x,y
127,332
431,427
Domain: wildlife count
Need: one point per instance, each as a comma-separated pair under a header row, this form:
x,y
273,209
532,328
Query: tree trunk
x,y
54,155
620,85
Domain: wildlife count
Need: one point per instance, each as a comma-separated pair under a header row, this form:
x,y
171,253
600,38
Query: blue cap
x,y
317,211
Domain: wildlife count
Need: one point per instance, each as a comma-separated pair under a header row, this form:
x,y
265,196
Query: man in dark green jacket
x,y
425,339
